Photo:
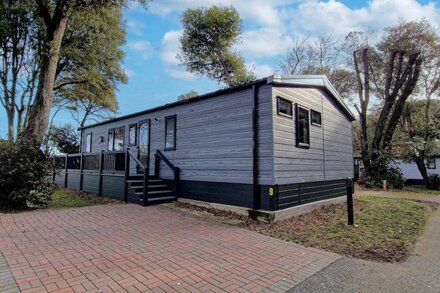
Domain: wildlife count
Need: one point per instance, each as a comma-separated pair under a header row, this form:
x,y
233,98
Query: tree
x,y
89,57
186,96
53,17
389,70
65,139
206,44
417,140
324,56
18,72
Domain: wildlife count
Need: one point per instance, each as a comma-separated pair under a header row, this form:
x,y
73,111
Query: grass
x,y
386,228
65,198
421,190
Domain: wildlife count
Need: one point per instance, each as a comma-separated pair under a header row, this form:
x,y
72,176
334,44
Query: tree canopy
x,y
206,44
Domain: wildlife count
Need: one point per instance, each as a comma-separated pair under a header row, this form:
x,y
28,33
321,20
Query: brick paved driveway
x,y
129,248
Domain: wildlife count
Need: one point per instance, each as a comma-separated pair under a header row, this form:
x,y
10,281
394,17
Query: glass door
x,y
144,143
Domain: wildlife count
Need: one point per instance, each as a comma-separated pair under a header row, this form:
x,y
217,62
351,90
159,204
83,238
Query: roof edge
x,y
314,81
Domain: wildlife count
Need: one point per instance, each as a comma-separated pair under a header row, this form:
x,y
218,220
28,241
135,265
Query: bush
x,y
433,182
25,175
379,169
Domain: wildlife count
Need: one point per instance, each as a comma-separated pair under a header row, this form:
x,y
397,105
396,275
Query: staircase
x,y
158,190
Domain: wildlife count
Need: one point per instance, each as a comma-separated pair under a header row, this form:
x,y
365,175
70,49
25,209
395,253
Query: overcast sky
x,y
269,28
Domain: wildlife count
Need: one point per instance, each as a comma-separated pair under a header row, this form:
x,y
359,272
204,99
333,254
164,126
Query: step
x,y
151,186
155,192
158,200
142,181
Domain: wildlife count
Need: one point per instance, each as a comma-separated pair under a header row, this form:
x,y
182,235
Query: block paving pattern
x,y
129,248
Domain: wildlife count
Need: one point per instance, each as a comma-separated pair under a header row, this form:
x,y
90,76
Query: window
x,y
430,163
284,107
132,134
170,133
302,127
116,139
111,139
88,143
315,117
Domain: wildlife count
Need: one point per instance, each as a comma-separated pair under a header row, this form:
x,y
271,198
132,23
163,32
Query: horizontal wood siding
x,y
73,180
113,187
214,138
330,153
91,182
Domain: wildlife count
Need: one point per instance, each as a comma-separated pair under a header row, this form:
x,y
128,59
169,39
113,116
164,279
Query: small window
x,y
88,143
284,107
116,139
430,163
302,127
170,133
119,139
132,134
111,139
315,117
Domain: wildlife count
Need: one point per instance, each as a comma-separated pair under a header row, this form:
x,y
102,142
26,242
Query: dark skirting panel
x,y
91,182
113,186
295,194
236,194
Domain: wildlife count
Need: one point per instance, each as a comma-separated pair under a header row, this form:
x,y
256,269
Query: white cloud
x,y
169,50
135,27
259,11
261,70
144,48
264,42
129,72
334,17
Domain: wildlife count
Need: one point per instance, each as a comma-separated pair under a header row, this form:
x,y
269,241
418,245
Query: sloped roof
x,y
319,81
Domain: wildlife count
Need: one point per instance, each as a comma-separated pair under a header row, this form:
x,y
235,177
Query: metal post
x,y
156,165
145,193
101,166
126,174
176,181
350,212
54,169
65,170
81,166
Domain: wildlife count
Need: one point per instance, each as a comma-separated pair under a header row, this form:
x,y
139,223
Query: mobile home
x,y
271,144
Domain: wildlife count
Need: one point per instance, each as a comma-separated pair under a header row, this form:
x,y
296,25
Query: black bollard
x,y
350,212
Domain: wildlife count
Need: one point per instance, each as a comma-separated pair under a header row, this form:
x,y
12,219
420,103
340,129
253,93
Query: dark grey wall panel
x,y
59,179
225,193
214,137
290,195
113,186
91,182
73,180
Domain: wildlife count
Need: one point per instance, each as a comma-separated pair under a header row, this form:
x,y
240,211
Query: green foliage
x,y
25,175
186,96
65,138
89,69
382,168
206,44
433,182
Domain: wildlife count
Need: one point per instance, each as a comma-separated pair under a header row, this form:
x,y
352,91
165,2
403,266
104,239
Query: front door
x,y
144,143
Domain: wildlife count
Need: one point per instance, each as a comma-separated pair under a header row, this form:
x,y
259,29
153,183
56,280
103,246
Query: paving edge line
x,y
302,274
7,281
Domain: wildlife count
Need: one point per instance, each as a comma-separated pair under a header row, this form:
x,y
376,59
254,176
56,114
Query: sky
x,y
269,30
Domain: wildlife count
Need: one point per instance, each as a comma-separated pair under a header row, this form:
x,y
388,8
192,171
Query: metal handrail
x,y
133,156
172,167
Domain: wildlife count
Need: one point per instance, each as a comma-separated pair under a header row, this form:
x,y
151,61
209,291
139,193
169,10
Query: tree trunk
x,y
420,162
40,110
226,72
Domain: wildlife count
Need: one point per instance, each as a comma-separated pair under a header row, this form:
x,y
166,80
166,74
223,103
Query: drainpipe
x,y
255,187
